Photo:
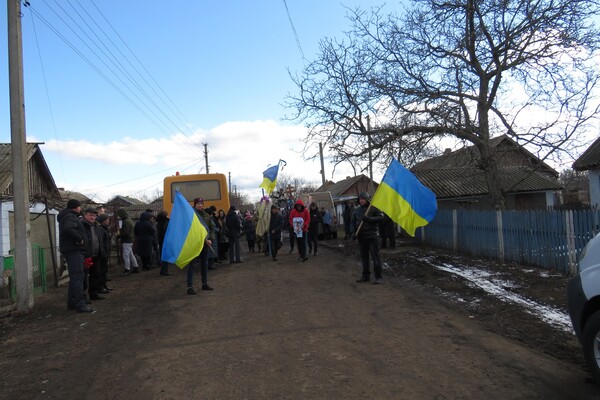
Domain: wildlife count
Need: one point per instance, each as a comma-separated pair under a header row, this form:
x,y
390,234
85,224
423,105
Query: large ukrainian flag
x,y
185,234
404,199
270,179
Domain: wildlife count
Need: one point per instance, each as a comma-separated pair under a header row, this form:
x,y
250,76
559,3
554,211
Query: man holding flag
x,y
186,236
365,221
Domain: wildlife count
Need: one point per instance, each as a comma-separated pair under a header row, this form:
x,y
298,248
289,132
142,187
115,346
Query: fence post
x,y
570,233
500,227
455,230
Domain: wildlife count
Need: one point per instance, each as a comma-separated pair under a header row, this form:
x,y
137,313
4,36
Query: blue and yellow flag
x,y
404,199
185,234
270,179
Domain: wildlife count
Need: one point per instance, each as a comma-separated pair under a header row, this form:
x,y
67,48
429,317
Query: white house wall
x,y
8,207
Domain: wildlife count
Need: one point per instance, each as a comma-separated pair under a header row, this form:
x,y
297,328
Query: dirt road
x,y
272,330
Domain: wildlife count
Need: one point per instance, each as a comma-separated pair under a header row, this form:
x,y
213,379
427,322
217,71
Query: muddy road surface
x,y
275,330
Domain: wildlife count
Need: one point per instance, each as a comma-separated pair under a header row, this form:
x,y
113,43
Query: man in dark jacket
x,y
234,229
72,246
94,252
201,261
275,227
365,220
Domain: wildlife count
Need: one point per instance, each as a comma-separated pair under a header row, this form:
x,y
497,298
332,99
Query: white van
x,y
583,294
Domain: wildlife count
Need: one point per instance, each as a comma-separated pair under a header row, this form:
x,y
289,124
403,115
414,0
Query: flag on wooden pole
x,y
405,199
185,234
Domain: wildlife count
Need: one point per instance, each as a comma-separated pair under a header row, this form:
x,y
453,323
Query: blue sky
x,y
209,72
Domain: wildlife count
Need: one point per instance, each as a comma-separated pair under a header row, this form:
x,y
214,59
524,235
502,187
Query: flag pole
x,y
362,220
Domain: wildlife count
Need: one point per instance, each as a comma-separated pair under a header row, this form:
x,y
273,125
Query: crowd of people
x,y
85,240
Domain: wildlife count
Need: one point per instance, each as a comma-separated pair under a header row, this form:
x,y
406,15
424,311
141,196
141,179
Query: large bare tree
x,y
466,69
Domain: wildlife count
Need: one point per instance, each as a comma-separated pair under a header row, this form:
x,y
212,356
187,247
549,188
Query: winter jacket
x,y
94,246
370,222
233,222
276,224
208,224
71,236
249,229
315,218
145,236
162,223
300,216
126,231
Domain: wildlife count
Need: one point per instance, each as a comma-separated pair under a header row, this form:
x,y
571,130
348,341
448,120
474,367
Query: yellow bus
x,y
212,188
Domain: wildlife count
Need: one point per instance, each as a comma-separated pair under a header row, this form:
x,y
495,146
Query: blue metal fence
x,y
547,239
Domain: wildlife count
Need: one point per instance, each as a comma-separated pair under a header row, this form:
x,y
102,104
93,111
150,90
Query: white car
x,y
583,294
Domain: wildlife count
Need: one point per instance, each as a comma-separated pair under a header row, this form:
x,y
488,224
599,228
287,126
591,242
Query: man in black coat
x,y
72,246
366,219
275,227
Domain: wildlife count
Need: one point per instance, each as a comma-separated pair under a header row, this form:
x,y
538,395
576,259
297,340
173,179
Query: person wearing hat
x,y
366,220
103,221
233,223
300,220
72,246
250,231
275,228
202,260
94,252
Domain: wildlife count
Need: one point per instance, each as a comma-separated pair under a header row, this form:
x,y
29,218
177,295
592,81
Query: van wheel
x,y
591,345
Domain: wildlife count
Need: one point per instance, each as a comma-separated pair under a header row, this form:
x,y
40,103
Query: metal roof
x,y
461,182
590,159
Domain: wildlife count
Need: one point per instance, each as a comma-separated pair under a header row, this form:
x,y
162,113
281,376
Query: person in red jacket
x,y
299,220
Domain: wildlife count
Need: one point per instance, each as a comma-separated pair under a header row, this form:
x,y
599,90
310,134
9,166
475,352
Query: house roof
x,y
463,182
41,182
125,201
66,195
469,156
590,159
341,188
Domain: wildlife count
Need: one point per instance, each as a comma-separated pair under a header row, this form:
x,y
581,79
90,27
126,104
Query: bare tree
x,y
465,69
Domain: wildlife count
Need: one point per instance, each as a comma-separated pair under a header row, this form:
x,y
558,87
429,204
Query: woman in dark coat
x,y
145,239
162,222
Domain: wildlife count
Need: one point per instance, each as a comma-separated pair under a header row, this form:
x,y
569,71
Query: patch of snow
x,y
496,287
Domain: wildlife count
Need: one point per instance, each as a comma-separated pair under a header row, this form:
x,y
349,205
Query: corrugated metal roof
x,y
590,159
461,182
508,153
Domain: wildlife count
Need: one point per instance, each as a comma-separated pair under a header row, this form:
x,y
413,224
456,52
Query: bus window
x,y
212,188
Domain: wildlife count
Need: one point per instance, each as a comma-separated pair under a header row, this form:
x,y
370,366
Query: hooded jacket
x,y
126,231
302,214
71,234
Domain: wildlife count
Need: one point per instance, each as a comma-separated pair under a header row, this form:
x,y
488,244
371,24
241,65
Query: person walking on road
x,y
300,220
233,222
275,228
366,220
202,260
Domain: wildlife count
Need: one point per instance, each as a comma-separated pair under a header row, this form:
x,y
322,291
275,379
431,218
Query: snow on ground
x,y
497,288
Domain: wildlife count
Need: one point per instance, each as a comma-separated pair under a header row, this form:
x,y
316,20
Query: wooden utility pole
x,y
23,265
322,164
206,156
371,188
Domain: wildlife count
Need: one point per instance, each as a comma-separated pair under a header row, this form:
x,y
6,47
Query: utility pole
x,y
23,264
206,156
322,164
370,155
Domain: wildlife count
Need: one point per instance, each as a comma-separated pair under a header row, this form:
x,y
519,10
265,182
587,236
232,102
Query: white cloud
x,y
136,167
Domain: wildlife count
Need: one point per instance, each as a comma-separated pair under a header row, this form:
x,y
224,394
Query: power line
x,y
119,72
287,10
